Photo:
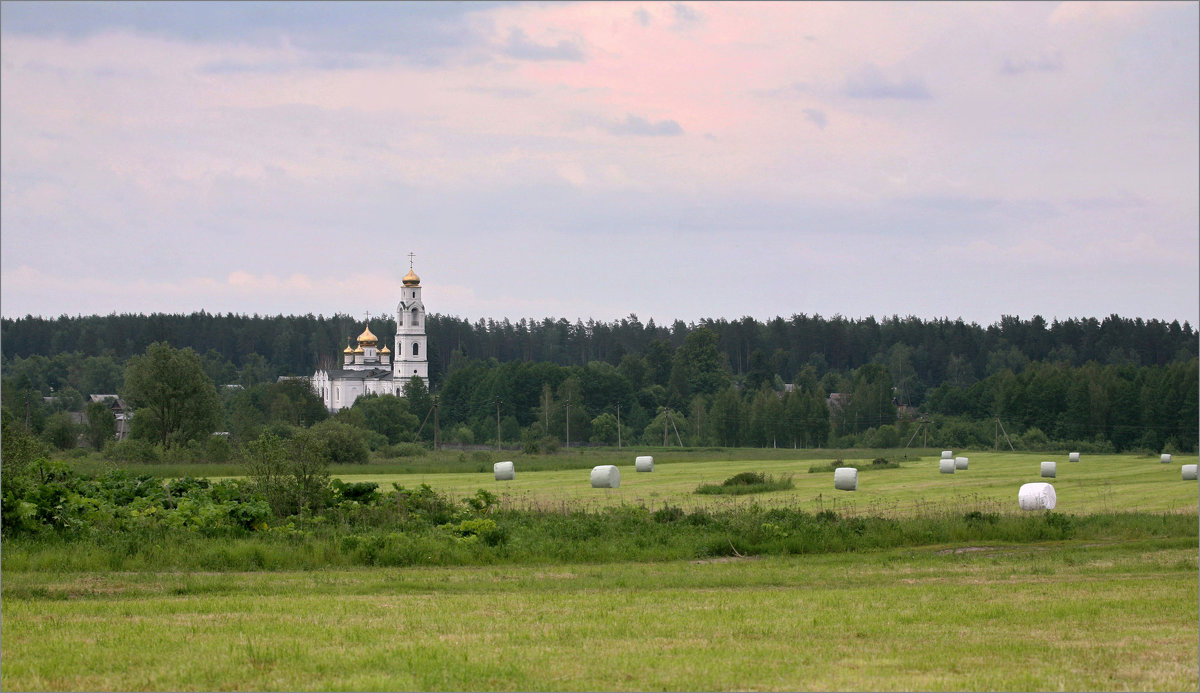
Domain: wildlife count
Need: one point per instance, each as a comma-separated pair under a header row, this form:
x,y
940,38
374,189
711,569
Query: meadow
x,y
917,581
1099,483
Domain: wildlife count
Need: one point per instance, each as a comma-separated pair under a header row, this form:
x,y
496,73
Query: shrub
x,y
217,449
748,482
343,443
131,450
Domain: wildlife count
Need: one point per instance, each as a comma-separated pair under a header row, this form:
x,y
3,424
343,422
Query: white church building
x,y
370,370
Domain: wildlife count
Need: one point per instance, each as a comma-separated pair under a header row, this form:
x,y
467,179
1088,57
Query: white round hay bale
x,y
845,479
644,463
504,471
1049,469
606,476
947,454
1189,472
1166,458
1037,496
960,463
946,466
1073,457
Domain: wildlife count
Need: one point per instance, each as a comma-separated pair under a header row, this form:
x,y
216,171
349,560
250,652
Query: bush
x,y
748,482
131,450
217,449
343,443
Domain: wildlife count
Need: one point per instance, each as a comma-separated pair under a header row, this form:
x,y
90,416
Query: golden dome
x,y
366,338
411,279
348,350
385,350
358,349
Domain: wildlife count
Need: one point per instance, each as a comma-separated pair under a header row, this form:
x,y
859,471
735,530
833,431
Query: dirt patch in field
x,y
727,559
966,549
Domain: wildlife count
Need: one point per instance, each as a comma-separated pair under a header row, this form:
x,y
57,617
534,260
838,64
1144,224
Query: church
x,y
367,369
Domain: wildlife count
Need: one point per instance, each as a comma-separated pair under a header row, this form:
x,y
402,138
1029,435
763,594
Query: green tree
x,y
419,404
604,429
699,367
343,443
388,416
60,431
101,424
173,400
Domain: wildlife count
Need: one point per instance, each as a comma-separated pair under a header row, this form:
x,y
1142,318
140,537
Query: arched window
x,y
416,349
415,319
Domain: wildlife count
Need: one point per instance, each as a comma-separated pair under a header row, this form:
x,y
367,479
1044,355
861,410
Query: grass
x,y
1114,616
918,581
1098,484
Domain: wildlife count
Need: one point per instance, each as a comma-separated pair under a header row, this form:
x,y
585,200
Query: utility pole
x,y
618,426
497,425
568,424
435,423
667,416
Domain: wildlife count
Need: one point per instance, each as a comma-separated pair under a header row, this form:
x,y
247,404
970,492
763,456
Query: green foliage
x,y
132,450
61,431
174,401
101,424
292,475
748,482
341,443
388,416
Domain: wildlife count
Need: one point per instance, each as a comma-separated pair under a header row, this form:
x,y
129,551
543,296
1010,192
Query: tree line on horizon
x,y
941,350
1115,384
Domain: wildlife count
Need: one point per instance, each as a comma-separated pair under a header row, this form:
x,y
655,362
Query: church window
x,y
415,319
416,349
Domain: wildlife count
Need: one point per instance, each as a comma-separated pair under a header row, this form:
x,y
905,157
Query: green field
x,y
1099,483
1047,617
1111,607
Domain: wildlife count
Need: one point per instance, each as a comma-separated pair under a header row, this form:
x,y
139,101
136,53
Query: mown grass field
x,y
1099,483
1117,616
1112,613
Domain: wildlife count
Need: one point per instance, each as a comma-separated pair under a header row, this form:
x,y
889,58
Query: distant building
x,y
121,412
367,369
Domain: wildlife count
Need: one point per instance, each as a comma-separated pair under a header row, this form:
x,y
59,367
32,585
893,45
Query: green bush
x,y
131,450
344,444
217,449
748,482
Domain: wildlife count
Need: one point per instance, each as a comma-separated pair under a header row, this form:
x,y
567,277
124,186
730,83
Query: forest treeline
x,y
939,350
1111,384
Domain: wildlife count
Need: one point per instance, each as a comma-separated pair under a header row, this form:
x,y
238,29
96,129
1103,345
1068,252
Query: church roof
x,y
367,338
411,279
372,374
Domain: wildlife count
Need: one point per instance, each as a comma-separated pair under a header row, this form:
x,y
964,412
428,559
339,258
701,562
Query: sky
x,y
672,160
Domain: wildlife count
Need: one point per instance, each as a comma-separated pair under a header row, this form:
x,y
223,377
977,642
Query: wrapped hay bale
x,y
946,466
606,476
1073,457
947,454
504,471
845,479
644,463
960,463
1189,472
1037,496
1049,469
1166,458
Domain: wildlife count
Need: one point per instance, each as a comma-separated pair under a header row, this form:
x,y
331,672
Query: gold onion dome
x,y
411,279
366,338
358,349
348,350
385,350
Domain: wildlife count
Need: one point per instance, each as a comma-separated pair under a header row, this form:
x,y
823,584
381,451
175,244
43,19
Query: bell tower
x,y
411,357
